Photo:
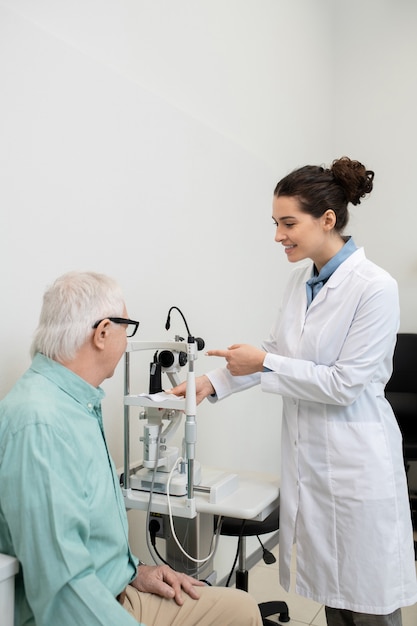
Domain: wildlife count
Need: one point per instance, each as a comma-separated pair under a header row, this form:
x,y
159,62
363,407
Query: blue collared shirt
x,y
316,282
61,507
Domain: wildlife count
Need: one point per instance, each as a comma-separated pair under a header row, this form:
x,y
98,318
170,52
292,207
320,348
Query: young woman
x,y
344,498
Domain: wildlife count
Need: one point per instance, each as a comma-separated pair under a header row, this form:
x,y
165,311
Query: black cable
x,y
152,532
267,556
234,563
153,529
168,322
237,553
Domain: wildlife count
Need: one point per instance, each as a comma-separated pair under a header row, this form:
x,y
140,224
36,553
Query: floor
x,y
263,582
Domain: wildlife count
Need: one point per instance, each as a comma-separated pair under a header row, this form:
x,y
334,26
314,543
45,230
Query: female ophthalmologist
x,y
344,498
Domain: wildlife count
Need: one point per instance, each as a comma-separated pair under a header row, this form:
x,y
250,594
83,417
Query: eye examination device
x,y
163,469
184,501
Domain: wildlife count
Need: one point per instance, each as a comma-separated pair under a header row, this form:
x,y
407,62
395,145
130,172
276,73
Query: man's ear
x,y
100,334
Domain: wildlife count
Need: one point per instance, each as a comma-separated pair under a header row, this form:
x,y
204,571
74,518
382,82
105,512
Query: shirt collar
x,y
332,265
68,381
316,282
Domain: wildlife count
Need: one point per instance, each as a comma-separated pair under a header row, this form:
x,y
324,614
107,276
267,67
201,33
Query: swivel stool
x,y
235,527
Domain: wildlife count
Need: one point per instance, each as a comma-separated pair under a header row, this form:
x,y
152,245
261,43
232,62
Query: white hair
x,y
71,305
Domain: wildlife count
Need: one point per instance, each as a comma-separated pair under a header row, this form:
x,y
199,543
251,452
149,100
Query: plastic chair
x,y
235,527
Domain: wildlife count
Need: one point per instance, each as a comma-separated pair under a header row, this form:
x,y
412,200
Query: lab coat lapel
x,y
337,278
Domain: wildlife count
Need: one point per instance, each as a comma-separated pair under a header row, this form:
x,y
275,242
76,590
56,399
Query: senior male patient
x,y
61,508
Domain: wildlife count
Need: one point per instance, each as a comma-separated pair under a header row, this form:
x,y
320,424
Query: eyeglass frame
x,y
120,320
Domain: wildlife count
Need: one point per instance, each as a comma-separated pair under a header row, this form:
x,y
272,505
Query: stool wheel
x,y
271,608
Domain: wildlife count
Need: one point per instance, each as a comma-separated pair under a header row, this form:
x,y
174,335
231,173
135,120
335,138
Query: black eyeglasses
x,y
121,320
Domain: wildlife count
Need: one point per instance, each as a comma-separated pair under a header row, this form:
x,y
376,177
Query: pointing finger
x,y
222,353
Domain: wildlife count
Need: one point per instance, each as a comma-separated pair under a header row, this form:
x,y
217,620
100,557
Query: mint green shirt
x,y
61,507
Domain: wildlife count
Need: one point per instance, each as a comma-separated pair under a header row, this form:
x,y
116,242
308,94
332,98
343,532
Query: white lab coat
x,y
344,498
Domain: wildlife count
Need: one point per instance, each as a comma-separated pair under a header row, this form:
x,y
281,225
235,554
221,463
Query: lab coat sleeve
x,y
225,384
363,339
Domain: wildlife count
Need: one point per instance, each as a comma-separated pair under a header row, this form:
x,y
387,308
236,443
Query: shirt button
x,y
89,406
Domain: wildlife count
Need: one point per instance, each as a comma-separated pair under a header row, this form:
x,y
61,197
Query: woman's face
x,y
302,235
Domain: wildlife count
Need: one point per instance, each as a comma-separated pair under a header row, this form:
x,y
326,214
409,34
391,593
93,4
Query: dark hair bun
x,y
355,179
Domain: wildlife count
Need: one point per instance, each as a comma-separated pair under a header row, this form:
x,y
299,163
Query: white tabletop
x,y
254,497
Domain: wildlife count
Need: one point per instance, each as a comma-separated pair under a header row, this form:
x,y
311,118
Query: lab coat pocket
x,y
359,460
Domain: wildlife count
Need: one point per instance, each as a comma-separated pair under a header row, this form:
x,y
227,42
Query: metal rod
x,y
190,422
126,474
190,485
242,553
202,489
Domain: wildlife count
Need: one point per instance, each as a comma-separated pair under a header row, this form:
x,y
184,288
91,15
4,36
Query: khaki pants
x,y
216,606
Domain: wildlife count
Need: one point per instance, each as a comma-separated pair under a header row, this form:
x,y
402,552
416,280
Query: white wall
x,y
144,140
375,104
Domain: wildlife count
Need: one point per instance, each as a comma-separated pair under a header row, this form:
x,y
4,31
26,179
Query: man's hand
x,y
203,388
241,358
163,581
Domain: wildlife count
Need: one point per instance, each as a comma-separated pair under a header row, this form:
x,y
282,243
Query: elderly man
x,y
61,508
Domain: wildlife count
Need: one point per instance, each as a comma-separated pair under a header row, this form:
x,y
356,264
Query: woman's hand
x,y
241,358
203,388
163,581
